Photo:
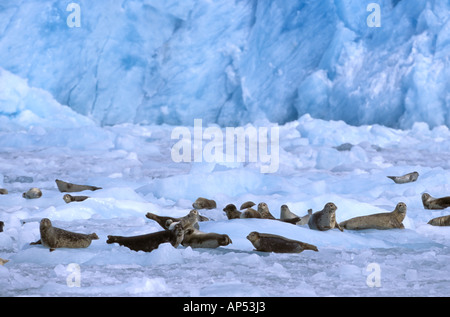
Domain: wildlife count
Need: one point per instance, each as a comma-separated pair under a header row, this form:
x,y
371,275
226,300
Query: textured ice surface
x,y
231,62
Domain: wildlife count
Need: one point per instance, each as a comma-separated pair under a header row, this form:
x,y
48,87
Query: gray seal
x,y
247,204
151,241
232,212
263,209
435,203
407,178
440,221
266,242
203,203
190,220
381,221
65,187
195,238
32,193
287,214
325,219
250,213
54,238
69,198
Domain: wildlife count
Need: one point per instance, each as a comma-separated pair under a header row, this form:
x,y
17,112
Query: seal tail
x,y
308,246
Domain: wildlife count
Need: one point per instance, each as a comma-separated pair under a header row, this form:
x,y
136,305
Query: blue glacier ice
x,y
235,61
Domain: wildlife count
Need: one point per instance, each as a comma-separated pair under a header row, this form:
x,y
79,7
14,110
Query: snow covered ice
x,y
343,128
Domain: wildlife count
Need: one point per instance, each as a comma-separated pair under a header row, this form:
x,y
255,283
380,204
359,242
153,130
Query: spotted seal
x,y
54,238
65,187
435,203
324,219
195,238
287,214
32,193
381,221
266,242
191,219
440,221
407,178
203,203
69,198
151,241
232,212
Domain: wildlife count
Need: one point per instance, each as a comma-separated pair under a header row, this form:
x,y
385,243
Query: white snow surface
x,y
44,141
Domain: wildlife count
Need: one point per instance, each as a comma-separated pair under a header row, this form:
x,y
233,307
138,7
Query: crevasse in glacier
x,y
232,62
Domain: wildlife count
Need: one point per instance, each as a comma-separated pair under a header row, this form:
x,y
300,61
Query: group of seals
x,y
184,231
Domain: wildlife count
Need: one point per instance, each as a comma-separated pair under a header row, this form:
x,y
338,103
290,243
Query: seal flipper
x,y
37,242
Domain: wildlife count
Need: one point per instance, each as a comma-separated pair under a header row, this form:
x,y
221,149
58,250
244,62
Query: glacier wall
x,y
235,61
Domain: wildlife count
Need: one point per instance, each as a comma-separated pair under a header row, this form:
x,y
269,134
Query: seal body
x,y
286,214
195,238
69,198
325,219
263,209
250,213
203,203
247,204
32,193
232,212
407,178
151,241
440,221
435,203
381,221
53,237
3,191
65,187
190,220
266,242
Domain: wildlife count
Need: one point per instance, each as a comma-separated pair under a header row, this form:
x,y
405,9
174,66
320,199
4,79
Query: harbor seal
x,y
440,221
324,219
286,215
65,187
381,221
69,198
195,238
263,209
203,203
190,220
407,178
266,242
3,191
53,237
435,203
232,212
3,261
151,241
247,204
250,213
32,193
2,224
